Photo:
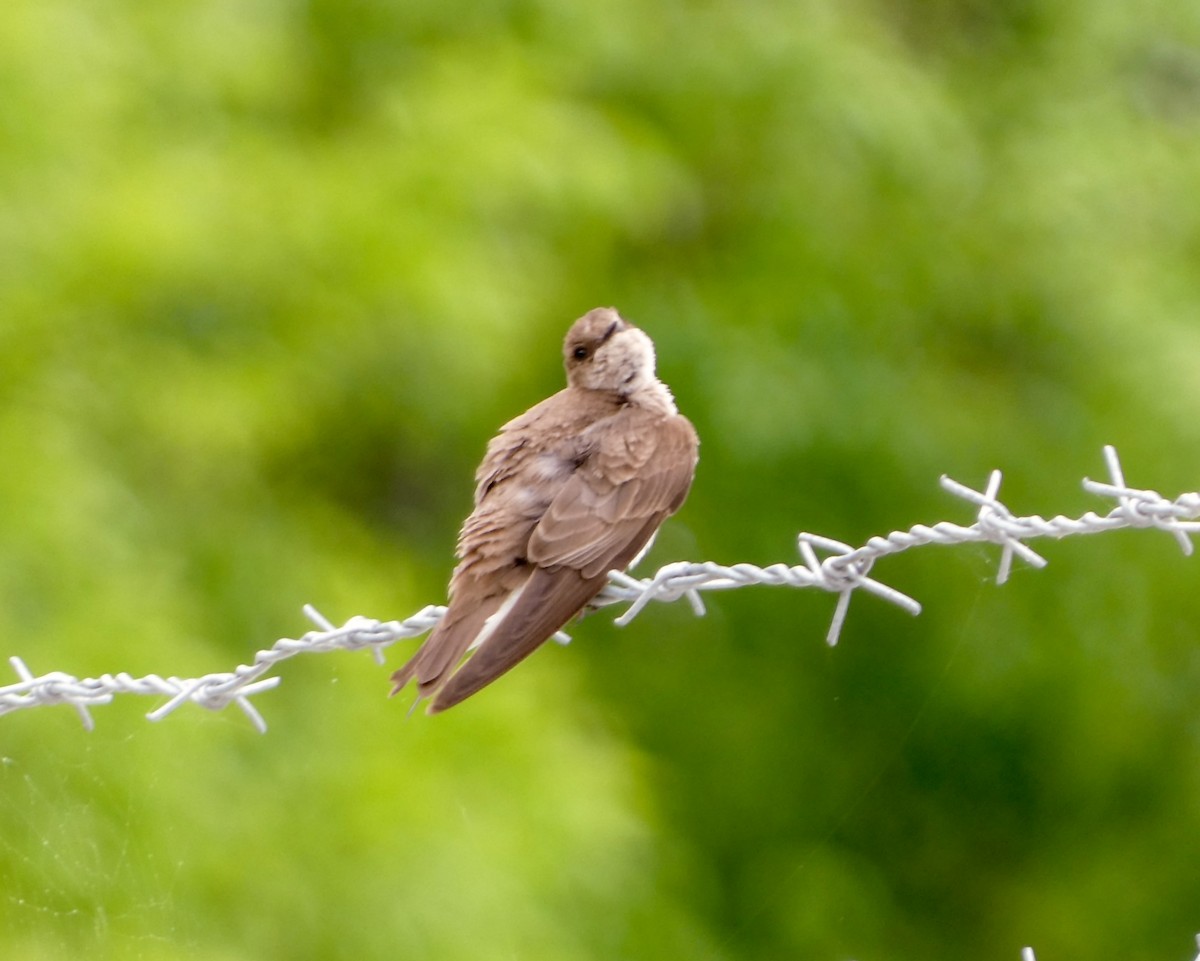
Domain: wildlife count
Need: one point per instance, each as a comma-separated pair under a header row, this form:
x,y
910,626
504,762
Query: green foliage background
x,y
271,273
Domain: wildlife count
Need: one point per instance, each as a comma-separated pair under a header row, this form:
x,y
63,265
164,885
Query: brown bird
x,y
573,488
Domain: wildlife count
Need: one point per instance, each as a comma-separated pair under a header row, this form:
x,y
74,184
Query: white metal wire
x,y
842,570
1028,955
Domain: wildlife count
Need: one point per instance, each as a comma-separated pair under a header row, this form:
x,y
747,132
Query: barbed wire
x,y
1028,955
842,570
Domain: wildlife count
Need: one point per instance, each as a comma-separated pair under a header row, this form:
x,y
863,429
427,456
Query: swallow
x,y
573,488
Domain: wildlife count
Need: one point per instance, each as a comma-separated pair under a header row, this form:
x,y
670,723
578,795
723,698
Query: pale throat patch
x,y
635,358
636,362
625,364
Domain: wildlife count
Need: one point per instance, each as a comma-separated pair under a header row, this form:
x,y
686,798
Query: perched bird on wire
x,y
573,488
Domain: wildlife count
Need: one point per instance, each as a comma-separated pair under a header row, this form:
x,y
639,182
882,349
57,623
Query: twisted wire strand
x,y
1028,955
842,570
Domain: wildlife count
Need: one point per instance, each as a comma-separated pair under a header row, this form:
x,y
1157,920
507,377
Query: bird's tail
x,y
545,604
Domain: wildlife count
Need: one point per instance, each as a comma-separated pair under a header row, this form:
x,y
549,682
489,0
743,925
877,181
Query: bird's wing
x,y
638,470
516,440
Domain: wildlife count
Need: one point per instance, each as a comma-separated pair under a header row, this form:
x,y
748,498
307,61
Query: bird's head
x,y
604,352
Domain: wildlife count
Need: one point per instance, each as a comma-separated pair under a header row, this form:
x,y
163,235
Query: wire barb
x,y
842,570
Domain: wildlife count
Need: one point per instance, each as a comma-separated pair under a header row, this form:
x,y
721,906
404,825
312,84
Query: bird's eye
x,y
580,353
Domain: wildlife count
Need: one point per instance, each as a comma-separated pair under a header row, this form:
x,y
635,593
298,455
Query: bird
x,y
573,488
